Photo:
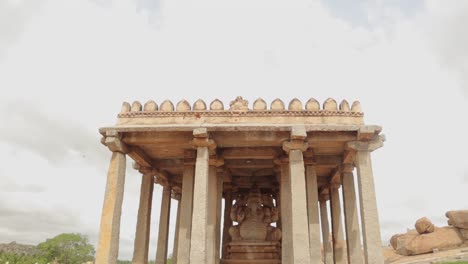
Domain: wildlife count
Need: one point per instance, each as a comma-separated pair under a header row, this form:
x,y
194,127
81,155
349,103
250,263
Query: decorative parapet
x,y
240,111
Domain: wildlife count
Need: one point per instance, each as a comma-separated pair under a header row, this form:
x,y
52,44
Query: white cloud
x,y
74,62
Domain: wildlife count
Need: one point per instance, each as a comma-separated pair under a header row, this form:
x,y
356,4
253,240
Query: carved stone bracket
x,y
113,141
375,143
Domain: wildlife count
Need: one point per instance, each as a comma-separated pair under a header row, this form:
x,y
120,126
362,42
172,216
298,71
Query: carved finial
x,y
151,106
216,105
183,106
330,105
356,107
136,106
259,104
125,108
344,106
277,104
239,104
167,106
312,105
295,104
199,105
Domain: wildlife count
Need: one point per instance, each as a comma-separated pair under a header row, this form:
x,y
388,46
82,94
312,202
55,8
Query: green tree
x,y
67,248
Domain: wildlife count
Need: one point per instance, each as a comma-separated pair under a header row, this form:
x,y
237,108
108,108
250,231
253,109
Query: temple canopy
x,y
297,156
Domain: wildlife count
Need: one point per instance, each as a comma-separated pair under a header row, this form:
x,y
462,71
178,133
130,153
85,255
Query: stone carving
x,y
167,106
356,107
313,105
277,104
330,105
199,105
254,213
427,238
151,106
136,106
216,105
125,108
344,106
239,104
183,106
295,104
259,104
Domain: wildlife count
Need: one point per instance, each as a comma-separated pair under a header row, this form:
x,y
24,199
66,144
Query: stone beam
x,y
249,164
250,153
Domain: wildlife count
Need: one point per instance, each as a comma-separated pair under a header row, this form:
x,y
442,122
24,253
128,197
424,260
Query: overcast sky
x,y
66,67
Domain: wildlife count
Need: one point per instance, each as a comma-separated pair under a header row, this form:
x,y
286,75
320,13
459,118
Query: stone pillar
x,y
185,224
337,226
211,234
227,221
108,245
286,200
163,233
201,247
327,247
142,234
369,214
219,201
298,201
313,214
353,234
176,234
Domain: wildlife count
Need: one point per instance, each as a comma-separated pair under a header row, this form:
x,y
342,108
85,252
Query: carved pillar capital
x,y
201,139
113,141
297,142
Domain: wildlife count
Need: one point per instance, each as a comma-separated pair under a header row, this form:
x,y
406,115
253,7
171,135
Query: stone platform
x,y
253,252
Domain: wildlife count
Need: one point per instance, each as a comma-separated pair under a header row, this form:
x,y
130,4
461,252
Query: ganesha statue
x,y
254,214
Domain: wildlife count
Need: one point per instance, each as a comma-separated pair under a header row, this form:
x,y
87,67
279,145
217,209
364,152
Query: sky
x,y
66,67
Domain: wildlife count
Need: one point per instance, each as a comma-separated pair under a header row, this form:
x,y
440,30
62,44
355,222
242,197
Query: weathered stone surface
x,y
167,106
277,104
136,107
217,105
424,226
182,106
151,106
295,104
259,104
330,105
441,238
394,239
458,218
312,105
199,105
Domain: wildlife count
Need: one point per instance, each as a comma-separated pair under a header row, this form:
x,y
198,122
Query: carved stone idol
x,y
255,213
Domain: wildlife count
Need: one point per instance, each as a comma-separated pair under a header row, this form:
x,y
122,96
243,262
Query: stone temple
x,y
255,183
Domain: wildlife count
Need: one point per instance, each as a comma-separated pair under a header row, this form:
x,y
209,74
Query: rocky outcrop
x,y
427,238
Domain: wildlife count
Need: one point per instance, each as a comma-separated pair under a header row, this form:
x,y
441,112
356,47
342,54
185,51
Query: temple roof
x,y
240,112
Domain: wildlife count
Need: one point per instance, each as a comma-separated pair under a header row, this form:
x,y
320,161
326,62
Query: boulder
x,y
402,237
441,238
424,226
458,218
464,233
